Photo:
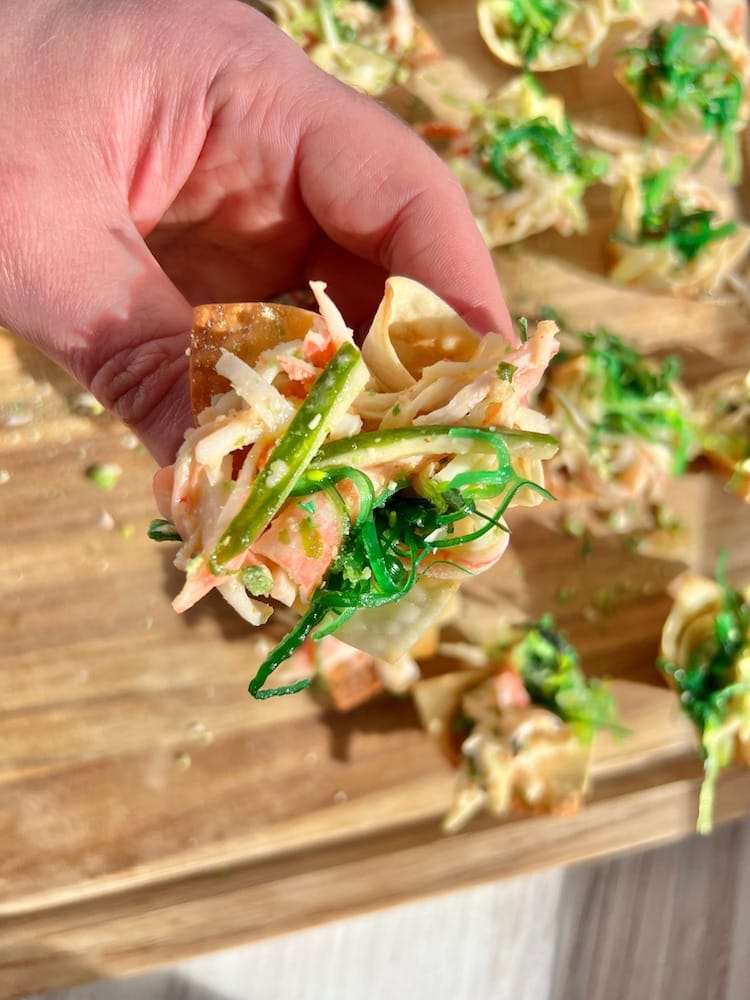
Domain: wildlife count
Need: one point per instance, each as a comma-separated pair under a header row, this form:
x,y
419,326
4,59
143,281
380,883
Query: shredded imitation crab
x,y
358,488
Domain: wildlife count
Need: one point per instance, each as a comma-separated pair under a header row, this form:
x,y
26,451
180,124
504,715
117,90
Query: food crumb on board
x,y
129,441
565,594
4,477
18,416
105,520
202,734
104,475
85,404
339,797
183,760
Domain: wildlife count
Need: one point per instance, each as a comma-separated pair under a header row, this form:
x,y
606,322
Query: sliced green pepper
x,y
331,395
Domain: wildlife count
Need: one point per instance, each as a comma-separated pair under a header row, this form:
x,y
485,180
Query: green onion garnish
x,y
557,149
551,672
671,220
676,72
381,558
637,396
330,397
534,23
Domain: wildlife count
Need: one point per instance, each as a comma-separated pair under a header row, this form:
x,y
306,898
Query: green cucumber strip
x,y
331,395
376,447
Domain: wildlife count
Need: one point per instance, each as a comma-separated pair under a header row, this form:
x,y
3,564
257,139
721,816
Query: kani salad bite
x,y
357,487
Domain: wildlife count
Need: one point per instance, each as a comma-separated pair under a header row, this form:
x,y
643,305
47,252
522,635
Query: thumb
x,y
104,310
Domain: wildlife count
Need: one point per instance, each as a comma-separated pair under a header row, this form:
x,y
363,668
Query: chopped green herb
x,y
506,371
638,396
671,219
308,505
551,672
684,68
382,556
533,24
507,143
523,329
257,580
565,594
396,410
161,530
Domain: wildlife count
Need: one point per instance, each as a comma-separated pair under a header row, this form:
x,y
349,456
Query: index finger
x,y
378,190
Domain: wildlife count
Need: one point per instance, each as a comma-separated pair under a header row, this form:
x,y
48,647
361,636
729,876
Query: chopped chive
x,y
104,475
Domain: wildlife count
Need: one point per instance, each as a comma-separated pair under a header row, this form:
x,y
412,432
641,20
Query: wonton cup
x,y
688,629
658,265
722,413
308,463
514,757
540,198
577,36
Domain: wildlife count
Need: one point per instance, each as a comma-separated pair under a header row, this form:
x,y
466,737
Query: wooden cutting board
x,y
150,809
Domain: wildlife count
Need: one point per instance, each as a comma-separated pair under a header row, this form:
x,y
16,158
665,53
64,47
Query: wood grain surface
x,y
149,809
665,923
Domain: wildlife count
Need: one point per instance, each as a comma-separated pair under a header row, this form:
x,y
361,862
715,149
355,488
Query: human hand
x,y
162,153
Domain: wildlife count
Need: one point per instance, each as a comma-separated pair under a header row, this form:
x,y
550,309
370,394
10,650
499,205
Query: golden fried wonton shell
x,y
244,328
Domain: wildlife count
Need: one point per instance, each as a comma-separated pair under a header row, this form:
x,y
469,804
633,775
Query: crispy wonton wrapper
x,y
722,408
577,38
533,762
244,328
697,602
659,267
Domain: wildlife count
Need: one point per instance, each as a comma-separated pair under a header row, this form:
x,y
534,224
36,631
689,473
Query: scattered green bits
x,y
104,475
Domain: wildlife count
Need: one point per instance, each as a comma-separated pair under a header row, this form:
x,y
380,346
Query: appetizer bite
x,y
722,415
521,164
623,424
672,233
369,44
518,723
346,677
359,488
543,35
690,82
705,655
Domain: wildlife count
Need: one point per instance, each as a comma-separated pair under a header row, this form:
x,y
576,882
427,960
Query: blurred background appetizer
x,y
369,44
623,424
690,81
705,655
672,233
520,164
544,35
517,722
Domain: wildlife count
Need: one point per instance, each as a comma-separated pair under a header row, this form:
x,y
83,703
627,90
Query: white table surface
x,y
668,924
